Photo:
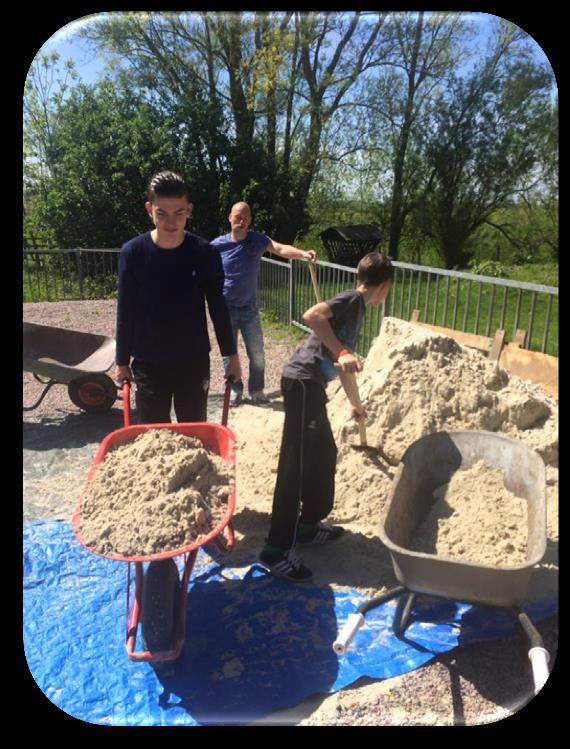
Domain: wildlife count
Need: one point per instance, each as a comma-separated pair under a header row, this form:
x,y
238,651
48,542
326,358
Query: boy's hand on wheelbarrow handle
x,y
123,373
234,368
124,377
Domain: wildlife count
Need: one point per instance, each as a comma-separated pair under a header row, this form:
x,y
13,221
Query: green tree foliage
x,y
105,142
484,144
427,49
267,85
314,118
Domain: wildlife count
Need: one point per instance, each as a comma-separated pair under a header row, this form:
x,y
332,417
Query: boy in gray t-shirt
x,y
304,491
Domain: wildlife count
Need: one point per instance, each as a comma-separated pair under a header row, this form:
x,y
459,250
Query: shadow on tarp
x,y
69,430
252,646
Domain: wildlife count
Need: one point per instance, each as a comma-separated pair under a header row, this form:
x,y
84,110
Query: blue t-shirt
x,y
312,360
241,260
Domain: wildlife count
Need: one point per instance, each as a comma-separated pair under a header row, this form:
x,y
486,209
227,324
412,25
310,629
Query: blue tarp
x,y
253,643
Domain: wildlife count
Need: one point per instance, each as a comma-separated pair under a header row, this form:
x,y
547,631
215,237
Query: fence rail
x,y
453,299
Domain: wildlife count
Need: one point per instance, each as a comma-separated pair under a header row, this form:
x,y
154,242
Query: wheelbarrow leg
x,y
49,385
160,605
538,655
403,609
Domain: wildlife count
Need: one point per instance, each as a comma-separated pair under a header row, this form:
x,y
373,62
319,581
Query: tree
x,y
274,81
422,51
104,144
484,143
44,90
426,56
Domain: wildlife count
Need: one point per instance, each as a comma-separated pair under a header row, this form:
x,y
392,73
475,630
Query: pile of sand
x,y
414,382
156,493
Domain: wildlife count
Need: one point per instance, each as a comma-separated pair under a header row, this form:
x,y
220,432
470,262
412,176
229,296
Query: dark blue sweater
x,y
161,314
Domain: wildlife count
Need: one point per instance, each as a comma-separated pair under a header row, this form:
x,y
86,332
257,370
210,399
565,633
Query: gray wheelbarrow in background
x,y
70,357
427,464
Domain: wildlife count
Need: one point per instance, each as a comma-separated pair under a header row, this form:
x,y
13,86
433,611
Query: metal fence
x,y
453,299
54,275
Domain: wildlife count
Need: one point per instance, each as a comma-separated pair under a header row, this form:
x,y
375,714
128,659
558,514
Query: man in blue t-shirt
x,y
241,252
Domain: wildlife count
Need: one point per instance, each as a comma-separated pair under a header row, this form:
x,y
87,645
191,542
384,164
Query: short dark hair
x,y
167,185
375,268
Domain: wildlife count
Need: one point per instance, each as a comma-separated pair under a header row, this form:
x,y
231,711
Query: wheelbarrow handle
x,y
126,391
227,394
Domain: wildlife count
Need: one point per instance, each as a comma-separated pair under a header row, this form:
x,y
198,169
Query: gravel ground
x,y
472,685
99,317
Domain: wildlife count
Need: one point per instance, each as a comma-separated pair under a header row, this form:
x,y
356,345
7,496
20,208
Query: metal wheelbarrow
x,y
69,357
159,600
426,465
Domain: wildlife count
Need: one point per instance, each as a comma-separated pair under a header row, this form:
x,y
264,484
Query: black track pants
x,y
307,462
159,386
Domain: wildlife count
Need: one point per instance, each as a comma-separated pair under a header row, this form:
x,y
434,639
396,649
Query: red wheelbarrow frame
x,y
215,437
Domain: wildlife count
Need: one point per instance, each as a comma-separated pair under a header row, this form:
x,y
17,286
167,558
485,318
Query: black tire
x,y
94,393
160,605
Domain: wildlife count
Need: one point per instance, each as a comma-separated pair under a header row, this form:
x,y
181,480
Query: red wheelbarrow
x,y
159,601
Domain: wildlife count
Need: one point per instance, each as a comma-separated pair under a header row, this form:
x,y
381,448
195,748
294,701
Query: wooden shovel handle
x,y
313,273
352,385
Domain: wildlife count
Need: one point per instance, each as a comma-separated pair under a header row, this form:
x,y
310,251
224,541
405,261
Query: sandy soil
x,y
475,519
413,382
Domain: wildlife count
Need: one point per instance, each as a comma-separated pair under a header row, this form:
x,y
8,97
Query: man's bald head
x,y
240,219
240,206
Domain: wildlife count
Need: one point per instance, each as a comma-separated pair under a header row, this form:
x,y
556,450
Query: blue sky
x,y
89,65
66,42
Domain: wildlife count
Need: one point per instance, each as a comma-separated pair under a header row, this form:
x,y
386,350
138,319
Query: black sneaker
x,y
259,399
320,534
286,565
235,399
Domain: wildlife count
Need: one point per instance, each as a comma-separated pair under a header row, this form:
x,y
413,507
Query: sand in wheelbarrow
x,y
475,505
156,493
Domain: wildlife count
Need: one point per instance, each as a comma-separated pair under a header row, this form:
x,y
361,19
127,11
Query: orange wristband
x,y
342,352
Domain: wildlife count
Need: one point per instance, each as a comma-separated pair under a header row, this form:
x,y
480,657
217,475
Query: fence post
x,y
291,291
77,253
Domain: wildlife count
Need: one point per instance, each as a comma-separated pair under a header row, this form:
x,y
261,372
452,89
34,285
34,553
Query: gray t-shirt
x,y
312,360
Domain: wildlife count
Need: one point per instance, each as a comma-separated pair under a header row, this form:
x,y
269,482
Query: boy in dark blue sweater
x,y
165,277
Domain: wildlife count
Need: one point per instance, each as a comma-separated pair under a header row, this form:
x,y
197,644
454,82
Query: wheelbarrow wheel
x,y
94,393
160,605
